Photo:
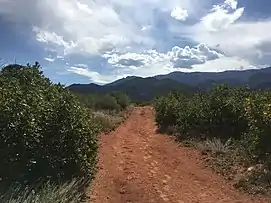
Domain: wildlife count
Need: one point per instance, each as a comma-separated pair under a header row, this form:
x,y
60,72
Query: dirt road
x,y
139,165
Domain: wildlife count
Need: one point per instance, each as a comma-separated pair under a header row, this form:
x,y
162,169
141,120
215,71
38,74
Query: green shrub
x,y
258,137
122,99
107,102
110,102
167,110
44,131
222,113
87,100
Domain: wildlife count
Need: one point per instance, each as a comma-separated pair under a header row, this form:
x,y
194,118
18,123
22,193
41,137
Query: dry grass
x,y
109,120
50,193
215,145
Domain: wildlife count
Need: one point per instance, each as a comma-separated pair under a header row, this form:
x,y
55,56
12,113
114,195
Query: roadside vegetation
x,y
231,126
108,110
48,136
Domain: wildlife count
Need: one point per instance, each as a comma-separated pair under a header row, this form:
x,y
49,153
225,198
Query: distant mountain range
x,y
144,89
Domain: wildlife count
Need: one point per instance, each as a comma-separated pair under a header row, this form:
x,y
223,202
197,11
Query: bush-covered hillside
x,y
234,122
138,89
146,89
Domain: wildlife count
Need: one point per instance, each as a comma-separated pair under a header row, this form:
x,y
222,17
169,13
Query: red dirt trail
x,y
138,165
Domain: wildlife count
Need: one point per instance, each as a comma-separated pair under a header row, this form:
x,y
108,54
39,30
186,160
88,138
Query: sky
x,y
100,41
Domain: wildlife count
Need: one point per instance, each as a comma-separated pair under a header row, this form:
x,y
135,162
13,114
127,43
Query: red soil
x,y
138,165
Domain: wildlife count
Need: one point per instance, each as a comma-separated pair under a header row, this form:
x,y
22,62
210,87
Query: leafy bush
x,y
220,114
110,102
167,110
107,102
122,99
44,131
87,101
215,113
258,136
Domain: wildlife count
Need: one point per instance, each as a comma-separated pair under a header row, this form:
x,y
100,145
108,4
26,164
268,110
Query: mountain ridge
x,y
143,89
185,77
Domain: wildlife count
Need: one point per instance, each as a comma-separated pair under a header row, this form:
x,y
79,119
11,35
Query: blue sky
x,y
83,41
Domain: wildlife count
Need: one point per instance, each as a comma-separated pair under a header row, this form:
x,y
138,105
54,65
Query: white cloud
x,y
49,59
147,63
233,42
220,29
177,57
128,34
92,75
60,57
81,65
86,28
135,59
222,64
145,27
90,26
220,17
187,57
179,14
231,3
152,62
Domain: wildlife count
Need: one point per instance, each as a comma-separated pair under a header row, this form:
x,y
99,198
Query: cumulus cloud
x,y
177,57
252,46
135,59
75,26
143,64
151,62
187,57
136,37
90,27
220,17
179,14
220,29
